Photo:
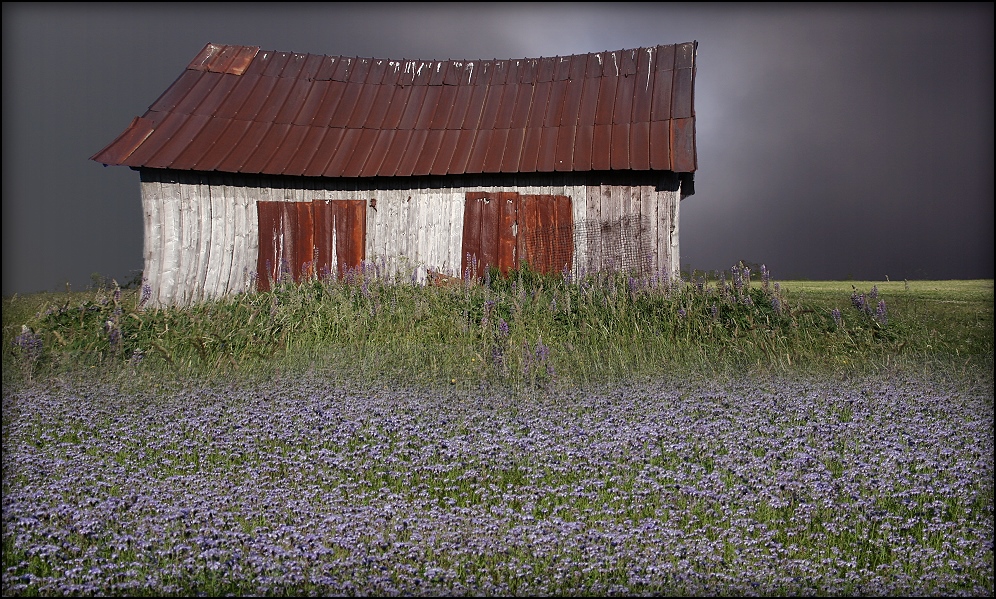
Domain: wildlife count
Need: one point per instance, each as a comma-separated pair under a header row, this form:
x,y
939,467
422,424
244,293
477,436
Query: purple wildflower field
x,y
763,485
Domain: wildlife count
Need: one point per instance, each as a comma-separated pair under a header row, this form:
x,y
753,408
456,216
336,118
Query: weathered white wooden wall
x,y
202,238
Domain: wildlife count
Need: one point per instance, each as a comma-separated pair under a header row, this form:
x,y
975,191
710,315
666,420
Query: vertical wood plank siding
x,y
202,231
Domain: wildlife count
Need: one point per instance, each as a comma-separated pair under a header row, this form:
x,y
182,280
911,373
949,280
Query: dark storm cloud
x,y
832,141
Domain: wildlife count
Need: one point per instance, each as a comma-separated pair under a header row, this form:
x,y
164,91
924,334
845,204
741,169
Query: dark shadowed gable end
x,y
257,165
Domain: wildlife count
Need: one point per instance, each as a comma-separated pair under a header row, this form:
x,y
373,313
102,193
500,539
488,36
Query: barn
x,y
256,166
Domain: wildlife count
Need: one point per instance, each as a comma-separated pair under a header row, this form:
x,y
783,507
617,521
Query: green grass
x,y
525,329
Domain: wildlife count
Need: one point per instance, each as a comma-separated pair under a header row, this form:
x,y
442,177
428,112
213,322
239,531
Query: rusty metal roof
x,y
240,109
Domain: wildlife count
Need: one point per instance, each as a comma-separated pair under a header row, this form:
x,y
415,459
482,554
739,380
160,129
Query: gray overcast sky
x,y
834,141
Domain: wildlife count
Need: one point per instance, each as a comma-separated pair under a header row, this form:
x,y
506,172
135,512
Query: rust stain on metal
x,y
242,109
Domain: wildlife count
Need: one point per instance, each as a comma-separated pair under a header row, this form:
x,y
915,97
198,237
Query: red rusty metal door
x,y
350,218
488,232
506,229
546,233
300,240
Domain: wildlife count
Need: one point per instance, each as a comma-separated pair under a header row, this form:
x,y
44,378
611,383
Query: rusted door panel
x,y
563,246
507,229
350,233
546,236
296,239
324,222
490,217
270,215
471,245
304,241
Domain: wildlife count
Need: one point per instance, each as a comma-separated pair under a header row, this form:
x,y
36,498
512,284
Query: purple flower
x,y
858,301
146,294
29,342
503,327
836,316
880,314
682,313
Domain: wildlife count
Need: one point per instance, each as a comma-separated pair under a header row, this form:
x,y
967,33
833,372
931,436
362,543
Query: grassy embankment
x,y
526,329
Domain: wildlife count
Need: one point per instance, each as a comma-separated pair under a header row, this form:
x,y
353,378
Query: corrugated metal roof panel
x,y
479,151
660,102
379,106
683,145
460,104
427,155
240,109
582,148
122,147
218,96
413,107
268,146
601,147
346,105
275,101
565,148
429,105
537,109
495,150
311,103
394,153
295,101
513,150
639,145
325,151
360,70
233,102
622,112
555,104
399,101
572,103
147,153
545,69
461,155
288,148
361,111
223,145
589,102
305,152
660,145
530,150
245,149
620,146
441,163
378,152
361,153
474,108
406,167
606,99
257,97
547,160
681,101
193,151
343,153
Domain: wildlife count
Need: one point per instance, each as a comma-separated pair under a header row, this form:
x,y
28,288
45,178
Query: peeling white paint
x,y
650,64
